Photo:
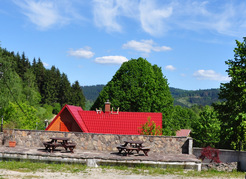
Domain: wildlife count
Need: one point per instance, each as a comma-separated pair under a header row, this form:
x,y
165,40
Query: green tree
x,y
11,86
64,90
22,64
206,130
21,116
150,128
77,98
30,88
51,86
138,87
39,71
184,117
23,86
232,110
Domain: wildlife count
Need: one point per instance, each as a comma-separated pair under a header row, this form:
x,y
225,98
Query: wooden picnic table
x,y
133,146
59,142
136,143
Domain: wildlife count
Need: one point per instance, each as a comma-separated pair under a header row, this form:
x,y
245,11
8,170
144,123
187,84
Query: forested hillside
x,y
185,98
30,93
188,98
91,92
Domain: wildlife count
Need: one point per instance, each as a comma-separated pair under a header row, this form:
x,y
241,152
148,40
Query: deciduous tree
x,y
138,86
21,116
206,130
232,112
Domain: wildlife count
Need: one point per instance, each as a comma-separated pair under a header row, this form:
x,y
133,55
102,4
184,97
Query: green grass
x,y
145,170
29,166
213,173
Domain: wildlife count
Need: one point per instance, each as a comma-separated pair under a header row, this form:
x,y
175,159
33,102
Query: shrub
x,y
210,153
149,128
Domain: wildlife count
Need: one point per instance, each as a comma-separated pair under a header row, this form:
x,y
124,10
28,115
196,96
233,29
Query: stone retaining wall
x,y
229,167
99,142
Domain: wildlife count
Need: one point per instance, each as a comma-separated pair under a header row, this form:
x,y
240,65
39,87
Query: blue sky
x,y
89,40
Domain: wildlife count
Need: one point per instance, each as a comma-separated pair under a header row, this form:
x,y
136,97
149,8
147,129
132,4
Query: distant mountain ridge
x,y
185,98
188,98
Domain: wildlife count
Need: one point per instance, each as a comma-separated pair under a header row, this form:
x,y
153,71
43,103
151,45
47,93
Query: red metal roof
x,y
183,133
108,123
74,111
121,123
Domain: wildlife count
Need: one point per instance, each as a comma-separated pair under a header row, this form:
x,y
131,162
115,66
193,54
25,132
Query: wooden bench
x,y
126,150
129,150
145,150
121,148
71,146
51,146
59,142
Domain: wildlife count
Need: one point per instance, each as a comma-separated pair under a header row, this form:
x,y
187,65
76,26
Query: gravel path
x,y
92,173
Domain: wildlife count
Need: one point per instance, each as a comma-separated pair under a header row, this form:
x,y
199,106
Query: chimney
x,y
107,106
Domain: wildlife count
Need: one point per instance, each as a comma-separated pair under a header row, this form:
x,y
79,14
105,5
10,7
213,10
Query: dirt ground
x,y
92,173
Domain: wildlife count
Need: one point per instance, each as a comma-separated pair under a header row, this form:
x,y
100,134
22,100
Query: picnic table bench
x,y
133,146
59,142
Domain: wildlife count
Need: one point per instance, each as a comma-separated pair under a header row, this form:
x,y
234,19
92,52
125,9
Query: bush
x,y
149,128
210,153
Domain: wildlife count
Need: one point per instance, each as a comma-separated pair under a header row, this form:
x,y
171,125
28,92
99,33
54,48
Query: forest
x,y
30,94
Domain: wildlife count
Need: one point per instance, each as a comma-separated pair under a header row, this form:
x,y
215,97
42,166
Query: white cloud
x,y
108,12
111,60
45,13
45,64
152,17
105,14
170,68
226,18
145,46
210,75
162,48
157,17
82,53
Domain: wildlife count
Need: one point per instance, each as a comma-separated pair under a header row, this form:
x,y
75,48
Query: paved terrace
x,y
96,158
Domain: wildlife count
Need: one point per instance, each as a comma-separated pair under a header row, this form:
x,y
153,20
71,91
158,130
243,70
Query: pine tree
x,y
77,98
64,90
39,71
51,86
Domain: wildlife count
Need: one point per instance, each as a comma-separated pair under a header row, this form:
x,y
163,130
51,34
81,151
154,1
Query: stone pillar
x,y
190,146
1,138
